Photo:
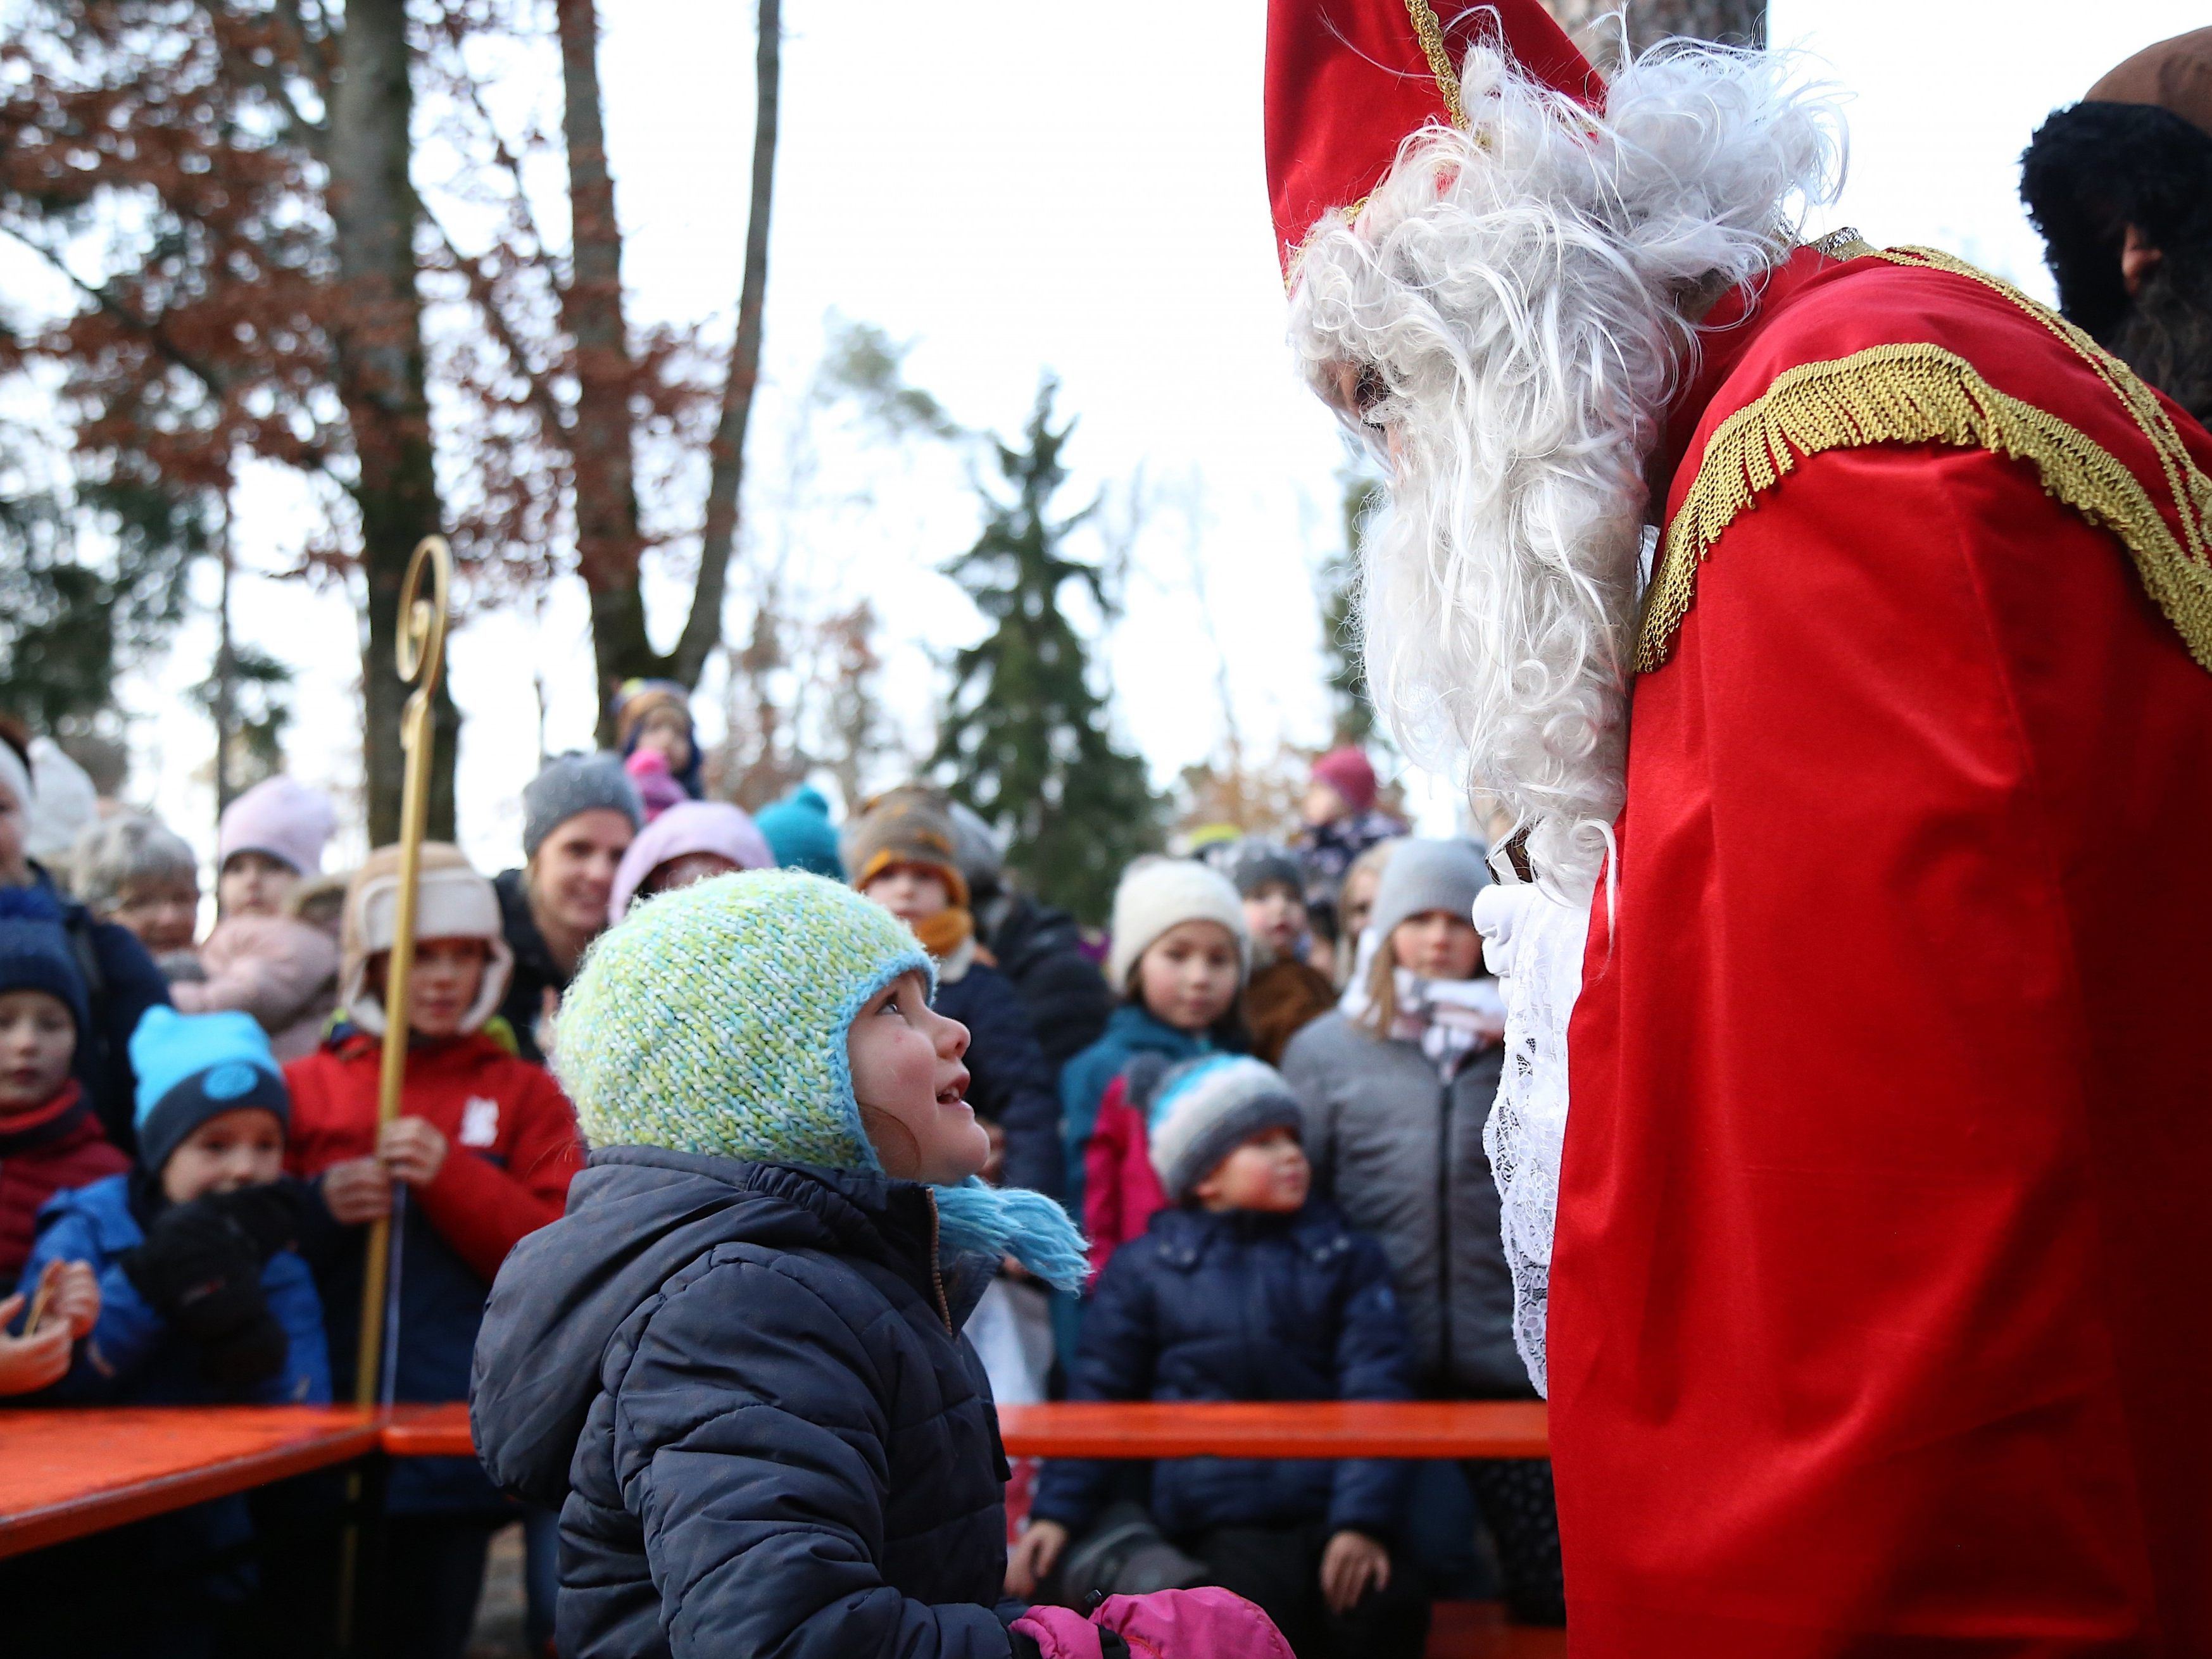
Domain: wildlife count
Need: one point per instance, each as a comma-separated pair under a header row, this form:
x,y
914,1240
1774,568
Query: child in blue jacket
x,y
1244,1289
201,1300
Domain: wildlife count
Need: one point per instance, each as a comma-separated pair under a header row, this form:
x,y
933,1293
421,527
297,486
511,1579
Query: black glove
x,y
200,1271
272,1217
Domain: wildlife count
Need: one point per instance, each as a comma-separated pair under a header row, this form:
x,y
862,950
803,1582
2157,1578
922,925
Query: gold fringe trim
x,y
1921,393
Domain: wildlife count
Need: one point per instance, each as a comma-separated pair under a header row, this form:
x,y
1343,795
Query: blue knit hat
x,y
1205,1109
192,1068
714,1020
35,953
798,829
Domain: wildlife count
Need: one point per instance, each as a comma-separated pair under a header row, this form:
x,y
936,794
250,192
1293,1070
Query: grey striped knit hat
x,y
1204,1107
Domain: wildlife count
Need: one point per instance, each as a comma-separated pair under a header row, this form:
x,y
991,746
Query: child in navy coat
x,y
1245,1289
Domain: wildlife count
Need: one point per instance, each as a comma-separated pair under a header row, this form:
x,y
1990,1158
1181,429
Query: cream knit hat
x,y
452,902
1155,894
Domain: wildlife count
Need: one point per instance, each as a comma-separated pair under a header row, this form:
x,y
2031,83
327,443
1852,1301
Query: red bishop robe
x,y
1879,1299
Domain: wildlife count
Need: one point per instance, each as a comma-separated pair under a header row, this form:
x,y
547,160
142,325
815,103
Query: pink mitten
x,y
1060,1633
1207,1623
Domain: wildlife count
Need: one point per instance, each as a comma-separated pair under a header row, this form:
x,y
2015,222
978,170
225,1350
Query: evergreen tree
x,y
1024,738
1339,607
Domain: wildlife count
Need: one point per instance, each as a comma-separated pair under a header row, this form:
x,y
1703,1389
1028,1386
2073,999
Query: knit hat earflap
x,y
715,1019
192,1068
1205,1109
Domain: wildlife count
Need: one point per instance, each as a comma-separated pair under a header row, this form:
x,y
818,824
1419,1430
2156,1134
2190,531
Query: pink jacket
x,y
281,971
1120,1189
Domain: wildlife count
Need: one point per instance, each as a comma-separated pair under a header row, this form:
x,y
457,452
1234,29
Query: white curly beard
x,y
1520,293
1519,290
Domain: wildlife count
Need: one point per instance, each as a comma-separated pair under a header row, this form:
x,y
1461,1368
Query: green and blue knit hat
x,y
713,1019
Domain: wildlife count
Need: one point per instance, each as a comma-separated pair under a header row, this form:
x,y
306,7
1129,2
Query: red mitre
x,y
1348,80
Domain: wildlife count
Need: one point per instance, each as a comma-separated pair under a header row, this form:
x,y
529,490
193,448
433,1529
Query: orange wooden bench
x,y
65,1474
1318,1428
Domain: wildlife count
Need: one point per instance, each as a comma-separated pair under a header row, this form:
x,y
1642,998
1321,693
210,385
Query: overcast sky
x,y
1015,187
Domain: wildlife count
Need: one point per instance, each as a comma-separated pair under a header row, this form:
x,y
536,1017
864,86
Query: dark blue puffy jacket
x,y
1012,1080
1239,1305
746,1380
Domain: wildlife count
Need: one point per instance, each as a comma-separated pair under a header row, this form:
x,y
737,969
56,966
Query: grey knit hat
x,y
1205,1109
1253,865
1427,875
571,784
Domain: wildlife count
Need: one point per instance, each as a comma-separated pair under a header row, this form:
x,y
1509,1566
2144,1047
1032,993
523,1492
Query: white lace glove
x,y
1533,943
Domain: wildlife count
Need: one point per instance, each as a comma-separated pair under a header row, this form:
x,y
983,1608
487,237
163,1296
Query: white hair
x,y
1517,295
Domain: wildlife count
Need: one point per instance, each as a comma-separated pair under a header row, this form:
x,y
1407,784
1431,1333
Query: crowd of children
x,y
717,1364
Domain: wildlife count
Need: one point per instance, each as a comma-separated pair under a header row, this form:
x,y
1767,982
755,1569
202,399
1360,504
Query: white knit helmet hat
x,y
1155,893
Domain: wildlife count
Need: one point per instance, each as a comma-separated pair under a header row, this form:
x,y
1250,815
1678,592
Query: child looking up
x,y
901,850
50,1135
1397,1085
1246,1289
482,1151
1180,955
201,1296
735,1363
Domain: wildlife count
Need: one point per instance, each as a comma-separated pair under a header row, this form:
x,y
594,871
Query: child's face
x,y
912,892
38,1040
573,872
163,915
1268,1172
912,1087
1437,944
443,985
254,885
231,1150
1277,916
667,733
1356,902
1322,803
683,872
1187,976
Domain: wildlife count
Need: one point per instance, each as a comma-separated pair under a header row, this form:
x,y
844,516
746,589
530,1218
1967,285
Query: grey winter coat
x,y
1401,1154
746,1382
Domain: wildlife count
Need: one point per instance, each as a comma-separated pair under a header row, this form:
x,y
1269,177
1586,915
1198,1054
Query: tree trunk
x,y
378,349
608,544
703,629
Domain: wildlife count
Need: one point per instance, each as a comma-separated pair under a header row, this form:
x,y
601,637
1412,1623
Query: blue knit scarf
x,y
1013,1221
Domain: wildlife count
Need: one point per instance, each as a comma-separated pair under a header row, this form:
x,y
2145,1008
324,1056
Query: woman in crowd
x,y
578,817
134,870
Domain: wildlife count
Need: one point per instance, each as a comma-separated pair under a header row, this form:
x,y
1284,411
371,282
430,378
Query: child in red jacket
x,y
480,1155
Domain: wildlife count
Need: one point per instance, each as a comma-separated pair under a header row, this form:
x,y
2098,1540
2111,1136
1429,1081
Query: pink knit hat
x,y
286,820
1347,771
692,826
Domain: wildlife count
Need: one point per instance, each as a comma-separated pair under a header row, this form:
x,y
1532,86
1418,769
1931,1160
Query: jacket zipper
x,y
936,1274
1444,1228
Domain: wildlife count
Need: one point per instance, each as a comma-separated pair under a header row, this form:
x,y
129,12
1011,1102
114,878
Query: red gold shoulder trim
x,y
1921,393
